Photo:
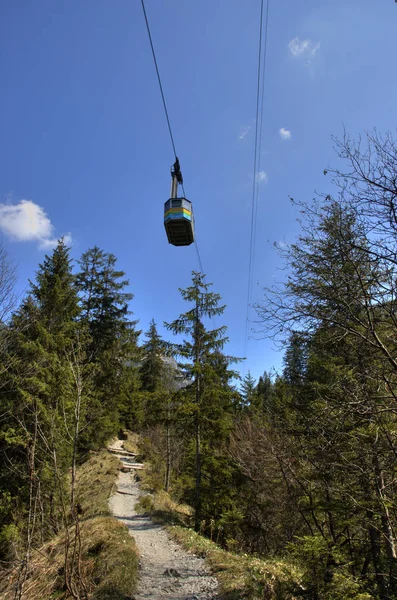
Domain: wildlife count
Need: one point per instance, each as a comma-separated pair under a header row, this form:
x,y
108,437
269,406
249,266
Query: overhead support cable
x,y
260,92
166,114
158,77
260,127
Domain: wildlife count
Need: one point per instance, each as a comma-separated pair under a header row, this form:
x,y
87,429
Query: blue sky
x,y
85,138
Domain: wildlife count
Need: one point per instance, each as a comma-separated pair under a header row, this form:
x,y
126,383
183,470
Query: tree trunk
x,y
374,537
387,527
168,450
34,492
197,500
74,578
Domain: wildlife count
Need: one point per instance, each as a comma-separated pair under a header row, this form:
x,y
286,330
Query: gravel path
x,y
166,570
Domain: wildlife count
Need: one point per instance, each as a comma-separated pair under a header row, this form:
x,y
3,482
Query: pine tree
x,y
54,292
43,332
295,360
152,370
208,369
335,413
113,348
247,389
262,400
105,304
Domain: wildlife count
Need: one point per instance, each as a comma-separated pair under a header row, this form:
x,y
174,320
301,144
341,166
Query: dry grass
x,y
243,576
131,443
108,563
95,483
164,510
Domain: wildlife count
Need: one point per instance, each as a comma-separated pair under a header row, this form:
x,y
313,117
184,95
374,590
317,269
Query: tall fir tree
x,y
152,370
208,370
262,401
43,332
113,349
104,301
338,390
247,389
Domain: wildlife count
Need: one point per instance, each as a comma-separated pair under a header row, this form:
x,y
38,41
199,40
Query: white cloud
x,y
244,131
26,222
50,243
285,134
305,49
262,177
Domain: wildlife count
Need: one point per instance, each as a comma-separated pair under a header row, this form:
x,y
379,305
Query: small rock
x,y
172,572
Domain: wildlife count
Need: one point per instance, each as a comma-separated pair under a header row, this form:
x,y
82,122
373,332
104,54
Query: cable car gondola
x,y
178,213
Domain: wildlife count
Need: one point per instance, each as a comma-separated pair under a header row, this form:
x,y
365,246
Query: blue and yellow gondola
x,y
178,214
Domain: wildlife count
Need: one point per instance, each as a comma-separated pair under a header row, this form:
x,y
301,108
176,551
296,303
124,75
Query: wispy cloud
x,y
28,222
262,177
243,132
285,134
50,243
304,49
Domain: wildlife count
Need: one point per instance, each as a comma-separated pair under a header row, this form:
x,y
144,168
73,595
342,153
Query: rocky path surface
x,y
166,570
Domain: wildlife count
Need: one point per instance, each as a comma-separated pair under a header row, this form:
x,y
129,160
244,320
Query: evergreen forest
x,y
298,467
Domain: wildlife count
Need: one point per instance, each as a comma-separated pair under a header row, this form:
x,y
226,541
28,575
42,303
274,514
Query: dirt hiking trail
x,y
166,569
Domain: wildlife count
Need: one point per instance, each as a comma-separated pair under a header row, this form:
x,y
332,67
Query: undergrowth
x,y
131,442
243,576
240,576
164,510
107,565
95,483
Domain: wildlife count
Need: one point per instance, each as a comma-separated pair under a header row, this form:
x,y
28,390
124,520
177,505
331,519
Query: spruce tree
x,y
113,349
104,301
208,370
152,370
43,332
55,293
337,414
262,400
247,389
